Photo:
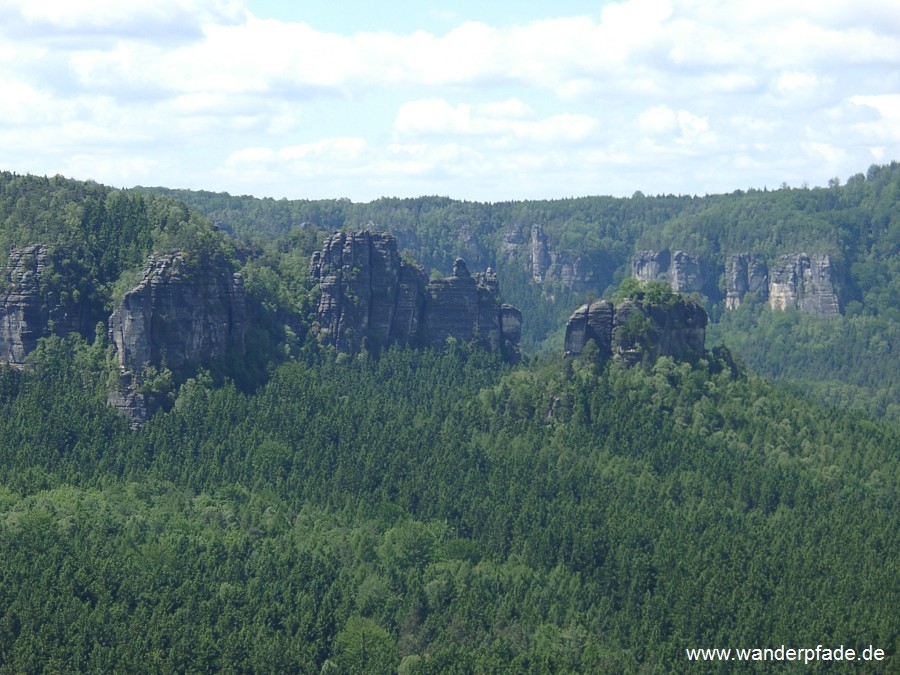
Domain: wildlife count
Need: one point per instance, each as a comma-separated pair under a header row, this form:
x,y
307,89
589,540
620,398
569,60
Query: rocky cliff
x,y
806,283
32,306
745,274
23,314
544,263
369,296
633,330
463,307
366,292
179,314
685,272
796,281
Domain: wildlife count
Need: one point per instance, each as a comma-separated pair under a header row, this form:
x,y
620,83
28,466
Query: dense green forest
x,y
438,512
292,509
98,237
857,223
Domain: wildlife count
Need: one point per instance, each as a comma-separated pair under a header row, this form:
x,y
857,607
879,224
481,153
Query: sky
x,y
485,101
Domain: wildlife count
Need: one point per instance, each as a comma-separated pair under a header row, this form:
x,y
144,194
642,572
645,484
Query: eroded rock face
x,y
806,283
179,314
796,281
463,308
546,264
511,323
650,266
593,321
684,272
23,315
745,274
631,331
369,295
30,307
367,292
540,254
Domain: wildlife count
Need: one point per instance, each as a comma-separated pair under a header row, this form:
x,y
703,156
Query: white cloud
x,y
885,129
712,94
685,127
658,119
134,18
342,149
507,119
21,103
794,80
888,105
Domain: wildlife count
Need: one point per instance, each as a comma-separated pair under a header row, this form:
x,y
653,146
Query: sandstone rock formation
x,y
30,307
685,272
366,292
544,263
806,283
23,315
179,314
796,281
745,273
464,308
633,331
370,296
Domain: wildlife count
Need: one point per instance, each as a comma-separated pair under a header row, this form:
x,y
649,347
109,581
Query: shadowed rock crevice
x,y
370,297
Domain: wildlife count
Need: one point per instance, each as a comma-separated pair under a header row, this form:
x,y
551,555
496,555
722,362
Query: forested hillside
x,y
438,512
97,237
286,507
857,224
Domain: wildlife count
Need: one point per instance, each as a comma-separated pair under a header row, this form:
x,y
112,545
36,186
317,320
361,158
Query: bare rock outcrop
x,y
806,283
370,297
179,314
24,317
745,274
684,272
32,305
465,308
633,330
544,263
367,292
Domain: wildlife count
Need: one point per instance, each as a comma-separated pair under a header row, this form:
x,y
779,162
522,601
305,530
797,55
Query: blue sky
x,y
409,16
475,100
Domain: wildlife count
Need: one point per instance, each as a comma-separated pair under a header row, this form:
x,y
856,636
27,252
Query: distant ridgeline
x,y
170,291
814,250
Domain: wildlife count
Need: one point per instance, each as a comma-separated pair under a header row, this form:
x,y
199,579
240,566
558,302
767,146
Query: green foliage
x,y
437,510
851,361
659,294
629,288
857,224
636,332
365,647
98,239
